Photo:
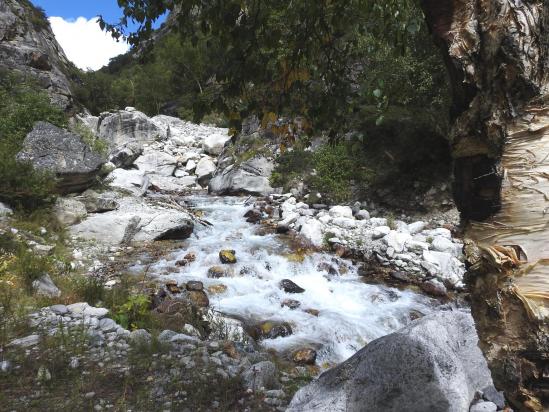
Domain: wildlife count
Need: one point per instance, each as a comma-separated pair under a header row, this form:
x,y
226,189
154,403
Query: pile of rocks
x,y
185,355
415,252
165,152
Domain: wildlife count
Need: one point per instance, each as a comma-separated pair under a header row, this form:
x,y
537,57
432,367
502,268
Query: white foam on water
x,y
351,313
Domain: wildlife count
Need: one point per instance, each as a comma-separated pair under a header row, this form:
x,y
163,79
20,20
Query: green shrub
x,y
332,170
134,313
89,289
22,104
28,266
97,144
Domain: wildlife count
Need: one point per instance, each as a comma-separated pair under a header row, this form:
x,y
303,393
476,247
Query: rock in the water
x,y
227,256
45,286
270,330
216,272
194,285
305,356
433,364
250,177
214,143
69,211
52,149
291,303
289,286
204,170
262,375
179,232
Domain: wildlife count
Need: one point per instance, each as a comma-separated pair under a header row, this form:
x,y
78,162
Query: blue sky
x,y
74,24
72,9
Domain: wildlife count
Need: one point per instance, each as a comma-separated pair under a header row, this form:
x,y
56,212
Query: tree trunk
x,y
496,52
497,56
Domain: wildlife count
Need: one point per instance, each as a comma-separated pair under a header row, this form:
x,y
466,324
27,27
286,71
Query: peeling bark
x,y
497,56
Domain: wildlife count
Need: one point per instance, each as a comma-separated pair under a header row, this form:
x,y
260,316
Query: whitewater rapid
x,y
351,313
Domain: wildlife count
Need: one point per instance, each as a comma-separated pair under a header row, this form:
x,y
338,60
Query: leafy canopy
x,y
299,58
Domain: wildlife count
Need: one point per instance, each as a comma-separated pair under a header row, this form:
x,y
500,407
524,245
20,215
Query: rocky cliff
x,y
28,46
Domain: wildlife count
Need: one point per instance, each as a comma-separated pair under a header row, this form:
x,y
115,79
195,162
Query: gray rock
x,y
140,336
108,325
52,149
204,170
362,215
134,220
59,309
262,375
214,143
179,232
157,163
484,407
69,211
182,338
26,342
434,364
125,155
491,394
98,203
251,177
44,286
128,126
29,47
166,335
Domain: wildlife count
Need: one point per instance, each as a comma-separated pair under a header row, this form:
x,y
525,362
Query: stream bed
x,y
350,313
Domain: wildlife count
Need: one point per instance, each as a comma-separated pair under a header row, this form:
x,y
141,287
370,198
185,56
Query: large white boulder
x,y
434,364
312,230
204,170
214,143
157,162
341,211
444,266
397,240
126,126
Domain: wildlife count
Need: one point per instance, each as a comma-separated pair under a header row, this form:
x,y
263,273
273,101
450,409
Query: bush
x,y
335,171
22,104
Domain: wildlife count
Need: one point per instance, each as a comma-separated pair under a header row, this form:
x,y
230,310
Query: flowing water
x,y
524,216
351,312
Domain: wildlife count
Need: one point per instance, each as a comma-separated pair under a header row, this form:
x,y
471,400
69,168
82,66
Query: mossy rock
x,y
227,256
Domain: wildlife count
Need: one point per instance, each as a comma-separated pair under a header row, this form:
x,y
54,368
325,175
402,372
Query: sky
x,y
74,23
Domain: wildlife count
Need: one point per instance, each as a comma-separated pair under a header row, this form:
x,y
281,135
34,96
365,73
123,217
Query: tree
x,y
286,57
497,56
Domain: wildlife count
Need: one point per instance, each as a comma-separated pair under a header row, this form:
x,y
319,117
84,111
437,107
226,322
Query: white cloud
x,y
84,43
